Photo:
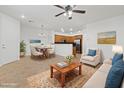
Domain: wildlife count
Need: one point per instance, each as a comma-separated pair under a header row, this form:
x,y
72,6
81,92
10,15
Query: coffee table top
x,y
68,68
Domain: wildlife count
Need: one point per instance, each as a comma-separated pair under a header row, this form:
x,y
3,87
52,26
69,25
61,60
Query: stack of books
x,y
62,64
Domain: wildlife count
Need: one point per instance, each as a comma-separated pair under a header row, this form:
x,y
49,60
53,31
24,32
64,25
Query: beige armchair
x,y
35,53
91,60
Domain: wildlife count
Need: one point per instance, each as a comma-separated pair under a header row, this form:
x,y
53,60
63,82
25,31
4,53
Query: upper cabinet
x,y
66,39
62,38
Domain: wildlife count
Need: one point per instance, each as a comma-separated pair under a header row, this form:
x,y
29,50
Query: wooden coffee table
x,y
64,71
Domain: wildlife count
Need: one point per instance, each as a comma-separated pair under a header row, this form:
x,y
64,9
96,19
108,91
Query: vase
x,y
22,54
69,62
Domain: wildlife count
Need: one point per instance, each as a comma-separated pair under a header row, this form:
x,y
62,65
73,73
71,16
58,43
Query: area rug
x,y
43,80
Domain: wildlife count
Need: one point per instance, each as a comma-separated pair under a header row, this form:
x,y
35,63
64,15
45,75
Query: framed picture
x,y
35,41
106,37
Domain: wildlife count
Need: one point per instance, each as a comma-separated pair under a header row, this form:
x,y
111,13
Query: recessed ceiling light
x,y
22,16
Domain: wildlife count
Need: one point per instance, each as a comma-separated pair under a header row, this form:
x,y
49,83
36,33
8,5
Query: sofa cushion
x,y
105,68
115,76
122,85
97,80
91,52
88,58
116,58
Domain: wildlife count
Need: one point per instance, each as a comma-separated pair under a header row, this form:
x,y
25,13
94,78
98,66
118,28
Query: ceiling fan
x,y
68,10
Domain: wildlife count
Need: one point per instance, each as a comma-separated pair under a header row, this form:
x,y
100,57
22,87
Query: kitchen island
x,y
64,49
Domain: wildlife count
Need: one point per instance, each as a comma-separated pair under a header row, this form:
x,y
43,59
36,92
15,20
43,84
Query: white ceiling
x,y
44,15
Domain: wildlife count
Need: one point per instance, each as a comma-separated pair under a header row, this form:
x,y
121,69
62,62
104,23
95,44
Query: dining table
x,y
44,50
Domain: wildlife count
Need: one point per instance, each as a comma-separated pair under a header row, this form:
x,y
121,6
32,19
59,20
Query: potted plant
x,y
69,59
22,48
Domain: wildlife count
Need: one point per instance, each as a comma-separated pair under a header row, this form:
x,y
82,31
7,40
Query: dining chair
x,y
35,53
51,51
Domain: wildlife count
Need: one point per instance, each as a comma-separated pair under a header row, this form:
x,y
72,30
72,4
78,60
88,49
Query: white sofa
x,y
99,77
91,60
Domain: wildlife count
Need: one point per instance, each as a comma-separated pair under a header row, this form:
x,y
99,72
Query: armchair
x,y
91,60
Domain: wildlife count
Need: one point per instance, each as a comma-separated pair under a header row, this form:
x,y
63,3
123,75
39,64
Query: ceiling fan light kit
x,y
68,11
65,14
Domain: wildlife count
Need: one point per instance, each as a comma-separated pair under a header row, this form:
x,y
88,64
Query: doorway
x,y
78,46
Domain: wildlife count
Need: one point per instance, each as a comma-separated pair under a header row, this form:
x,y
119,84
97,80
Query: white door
x,y
9,39
0,42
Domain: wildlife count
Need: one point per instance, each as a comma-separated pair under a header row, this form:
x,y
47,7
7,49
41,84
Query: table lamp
x,y
117,49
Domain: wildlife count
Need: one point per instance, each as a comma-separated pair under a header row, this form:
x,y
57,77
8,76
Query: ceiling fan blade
x,y
59,6
79,11
59,14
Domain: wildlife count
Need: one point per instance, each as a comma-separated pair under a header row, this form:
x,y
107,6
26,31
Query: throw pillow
x,y
116,58
91,52
115,75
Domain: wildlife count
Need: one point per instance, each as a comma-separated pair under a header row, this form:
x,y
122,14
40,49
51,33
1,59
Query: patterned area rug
x,y
43,80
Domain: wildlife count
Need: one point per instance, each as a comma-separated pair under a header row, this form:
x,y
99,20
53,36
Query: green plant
x,y
69,59
22,46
